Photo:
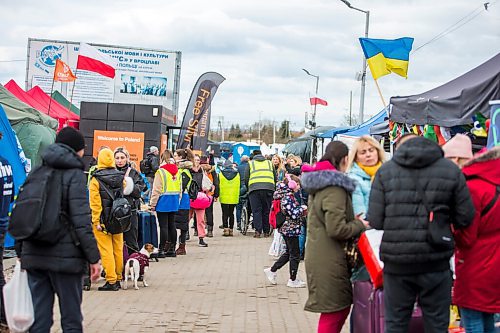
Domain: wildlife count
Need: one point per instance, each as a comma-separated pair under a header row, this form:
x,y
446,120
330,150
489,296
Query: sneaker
x,y
118,285
202,243
271,276
108,287
297,283
221,226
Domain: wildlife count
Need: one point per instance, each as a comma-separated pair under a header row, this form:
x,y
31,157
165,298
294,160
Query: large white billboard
x,y
143,76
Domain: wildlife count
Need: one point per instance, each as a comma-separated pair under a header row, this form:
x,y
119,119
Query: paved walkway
x,y
221,288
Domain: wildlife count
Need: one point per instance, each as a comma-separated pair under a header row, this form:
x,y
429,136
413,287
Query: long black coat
x,y
396,208
65,256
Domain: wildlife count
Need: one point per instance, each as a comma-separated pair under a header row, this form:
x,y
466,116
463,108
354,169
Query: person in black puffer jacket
x,y
59,268
413,266
122,161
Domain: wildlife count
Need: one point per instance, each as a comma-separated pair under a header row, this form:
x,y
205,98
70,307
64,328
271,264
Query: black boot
x,y
161,250
187,235
202,243
170,252
210,232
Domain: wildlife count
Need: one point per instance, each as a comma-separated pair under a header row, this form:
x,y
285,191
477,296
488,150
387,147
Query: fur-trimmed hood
x,y
315,181
485,166
185,164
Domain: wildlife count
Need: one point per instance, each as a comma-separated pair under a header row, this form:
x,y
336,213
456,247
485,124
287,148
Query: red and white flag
x,y
317,100
91,59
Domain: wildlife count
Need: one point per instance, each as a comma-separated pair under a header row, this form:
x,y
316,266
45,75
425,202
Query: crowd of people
x,y
329,204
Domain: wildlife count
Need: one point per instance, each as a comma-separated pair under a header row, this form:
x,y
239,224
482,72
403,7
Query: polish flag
x,y
317,100
92,60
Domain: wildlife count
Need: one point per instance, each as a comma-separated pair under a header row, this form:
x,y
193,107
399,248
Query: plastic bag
x,y
369,247
278,246
206,183
17,301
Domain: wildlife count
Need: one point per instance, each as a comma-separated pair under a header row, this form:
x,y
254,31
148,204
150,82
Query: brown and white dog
x,y
138,264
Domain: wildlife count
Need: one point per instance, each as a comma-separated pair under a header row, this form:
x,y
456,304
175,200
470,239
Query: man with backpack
x,y
107,202
54,239
149,165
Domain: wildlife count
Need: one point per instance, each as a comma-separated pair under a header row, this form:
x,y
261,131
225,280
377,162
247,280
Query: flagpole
x,y
380,93
50,100
73,90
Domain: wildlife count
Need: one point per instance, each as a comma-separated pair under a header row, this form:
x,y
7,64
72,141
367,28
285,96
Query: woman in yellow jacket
x,y
110,245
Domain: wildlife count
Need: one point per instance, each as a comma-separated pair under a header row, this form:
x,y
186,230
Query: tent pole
x,y
380,94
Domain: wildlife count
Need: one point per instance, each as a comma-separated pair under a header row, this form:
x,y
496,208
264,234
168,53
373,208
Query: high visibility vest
x,y
188,174
229,192
261,172
170,184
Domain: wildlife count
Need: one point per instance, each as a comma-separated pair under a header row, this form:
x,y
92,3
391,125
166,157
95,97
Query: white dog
x,y
138,264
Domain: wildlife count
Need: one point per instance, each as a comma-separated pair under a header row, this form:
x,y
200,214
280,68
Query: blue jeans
x,y
477,321
302,239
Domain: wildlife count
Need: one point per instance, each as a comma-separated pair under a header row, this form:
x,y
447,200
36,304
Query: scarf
x,y
370,170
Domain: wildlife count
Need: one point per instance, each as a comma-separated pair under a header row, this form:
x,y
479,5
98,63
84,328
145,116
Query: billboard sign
x,y
143,76
133,142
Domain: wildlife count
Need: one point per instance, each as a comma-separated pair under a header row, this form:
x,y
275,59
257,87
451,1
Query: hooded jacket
x,y
182,215
100,201
65,256
7,190
396,208
330,223
292,210
259,186
477,259
165,202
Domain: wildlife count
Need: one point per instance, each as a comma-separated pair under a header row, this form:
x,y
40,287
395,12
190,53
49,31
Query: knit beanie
x,y
458,146
72,138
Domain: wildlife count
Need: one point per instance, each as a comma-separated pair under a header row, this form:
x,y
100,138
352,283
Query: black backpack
x,y
120,216
38,213
194,188
145,166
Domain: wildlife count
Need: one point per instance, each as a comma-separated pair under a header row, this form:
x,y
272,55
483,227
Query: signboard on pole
x,y
133,142
143,76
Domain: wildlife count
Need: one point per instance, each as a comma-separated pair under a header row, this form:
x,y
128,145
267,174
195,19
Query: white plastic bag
x,y
206,183
278,246
17,301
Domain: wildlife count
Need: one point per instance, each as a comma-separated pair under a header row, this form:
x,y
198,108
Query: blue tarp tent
x,y
9,151
359,130
243,148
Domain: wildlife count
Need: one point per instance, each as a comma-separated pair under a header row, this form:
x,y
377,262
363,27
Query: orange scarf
x,y
370,170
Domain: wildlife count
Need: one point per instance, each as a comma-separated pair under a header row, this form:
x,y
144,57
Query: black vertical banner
x,y
196,121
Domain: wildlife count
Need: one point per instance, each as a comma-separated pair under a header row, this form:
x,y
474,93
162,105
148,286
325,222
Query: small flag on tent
x,y
317,100
385,55
92,60
63,73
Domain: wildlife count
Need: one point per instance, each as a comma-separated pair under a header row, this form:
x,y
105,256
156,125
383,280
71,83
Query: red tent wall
x,y
56,109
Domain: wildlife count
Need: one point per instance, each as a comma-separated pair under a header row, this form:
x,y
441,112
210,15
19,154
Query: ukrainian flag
x,y
387,55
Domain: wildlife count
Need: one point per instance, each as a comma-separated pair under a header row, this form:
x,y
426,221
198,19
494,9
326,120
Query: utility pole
x,y
274,132
350,109
260,120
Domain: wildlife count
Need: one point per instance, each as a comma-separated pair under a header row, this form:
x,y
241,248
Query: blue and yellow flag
x,y
387,55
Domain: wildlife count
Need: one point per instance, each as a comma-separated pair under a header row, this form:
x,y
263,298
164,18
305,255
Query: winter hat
x,y
228,164
72,138
458,146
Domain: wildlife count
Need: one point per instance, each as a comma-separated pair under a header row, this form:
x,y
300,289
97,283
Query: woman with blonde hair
x,y
365,158
279,168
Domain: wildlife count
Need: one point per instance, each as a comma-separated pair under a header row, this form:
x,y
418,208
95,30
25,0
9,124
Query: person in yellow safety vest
x,y
165,197
229,195
260,180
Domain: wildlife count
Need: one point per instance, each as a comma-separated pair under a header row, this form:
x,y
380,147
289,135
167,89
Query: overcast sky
x,y
261,46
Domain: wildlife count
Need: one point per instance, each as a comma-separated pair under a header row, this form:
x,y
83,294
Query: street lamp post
x,y
313,120
363,78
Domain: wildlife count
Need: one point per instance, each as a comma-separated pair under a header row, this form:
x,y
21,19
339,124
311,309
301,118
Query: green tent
x,y
59,98
34,129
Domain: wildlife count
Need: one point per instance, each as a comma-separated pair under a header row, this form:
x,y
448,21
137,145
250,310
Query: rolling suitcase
x,y
147,229
368,311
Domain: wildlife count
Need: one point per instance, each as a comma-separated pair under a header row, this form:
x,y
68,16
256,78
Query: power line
x,y
464,20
